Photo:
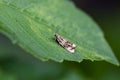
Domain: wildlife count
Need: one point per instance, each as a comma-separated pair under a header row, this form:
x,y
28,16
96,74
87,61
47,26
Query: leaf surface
x,y
32,24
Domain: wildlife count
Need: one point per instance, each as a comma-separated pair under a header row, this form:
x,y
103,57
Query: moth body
x,y
65,43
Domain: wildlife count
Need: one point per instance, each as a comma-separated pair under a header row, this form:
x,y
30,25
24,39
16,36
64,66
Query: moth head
x,y
56,35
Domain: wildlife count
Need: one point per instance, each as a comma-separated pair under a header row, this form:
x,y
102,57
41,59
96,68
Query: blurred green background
x,y
16,64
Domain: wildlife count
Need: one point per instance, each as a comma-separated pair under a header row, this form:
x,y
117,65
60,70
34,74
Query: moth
x,y
65,43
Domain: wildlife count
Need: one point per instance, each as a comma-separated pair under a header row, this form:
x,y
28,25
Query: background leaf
x,y
32,25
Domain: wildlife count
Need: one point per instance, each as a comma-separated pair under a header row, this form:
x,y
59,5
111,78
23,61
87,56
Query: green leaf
x,y
32,24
